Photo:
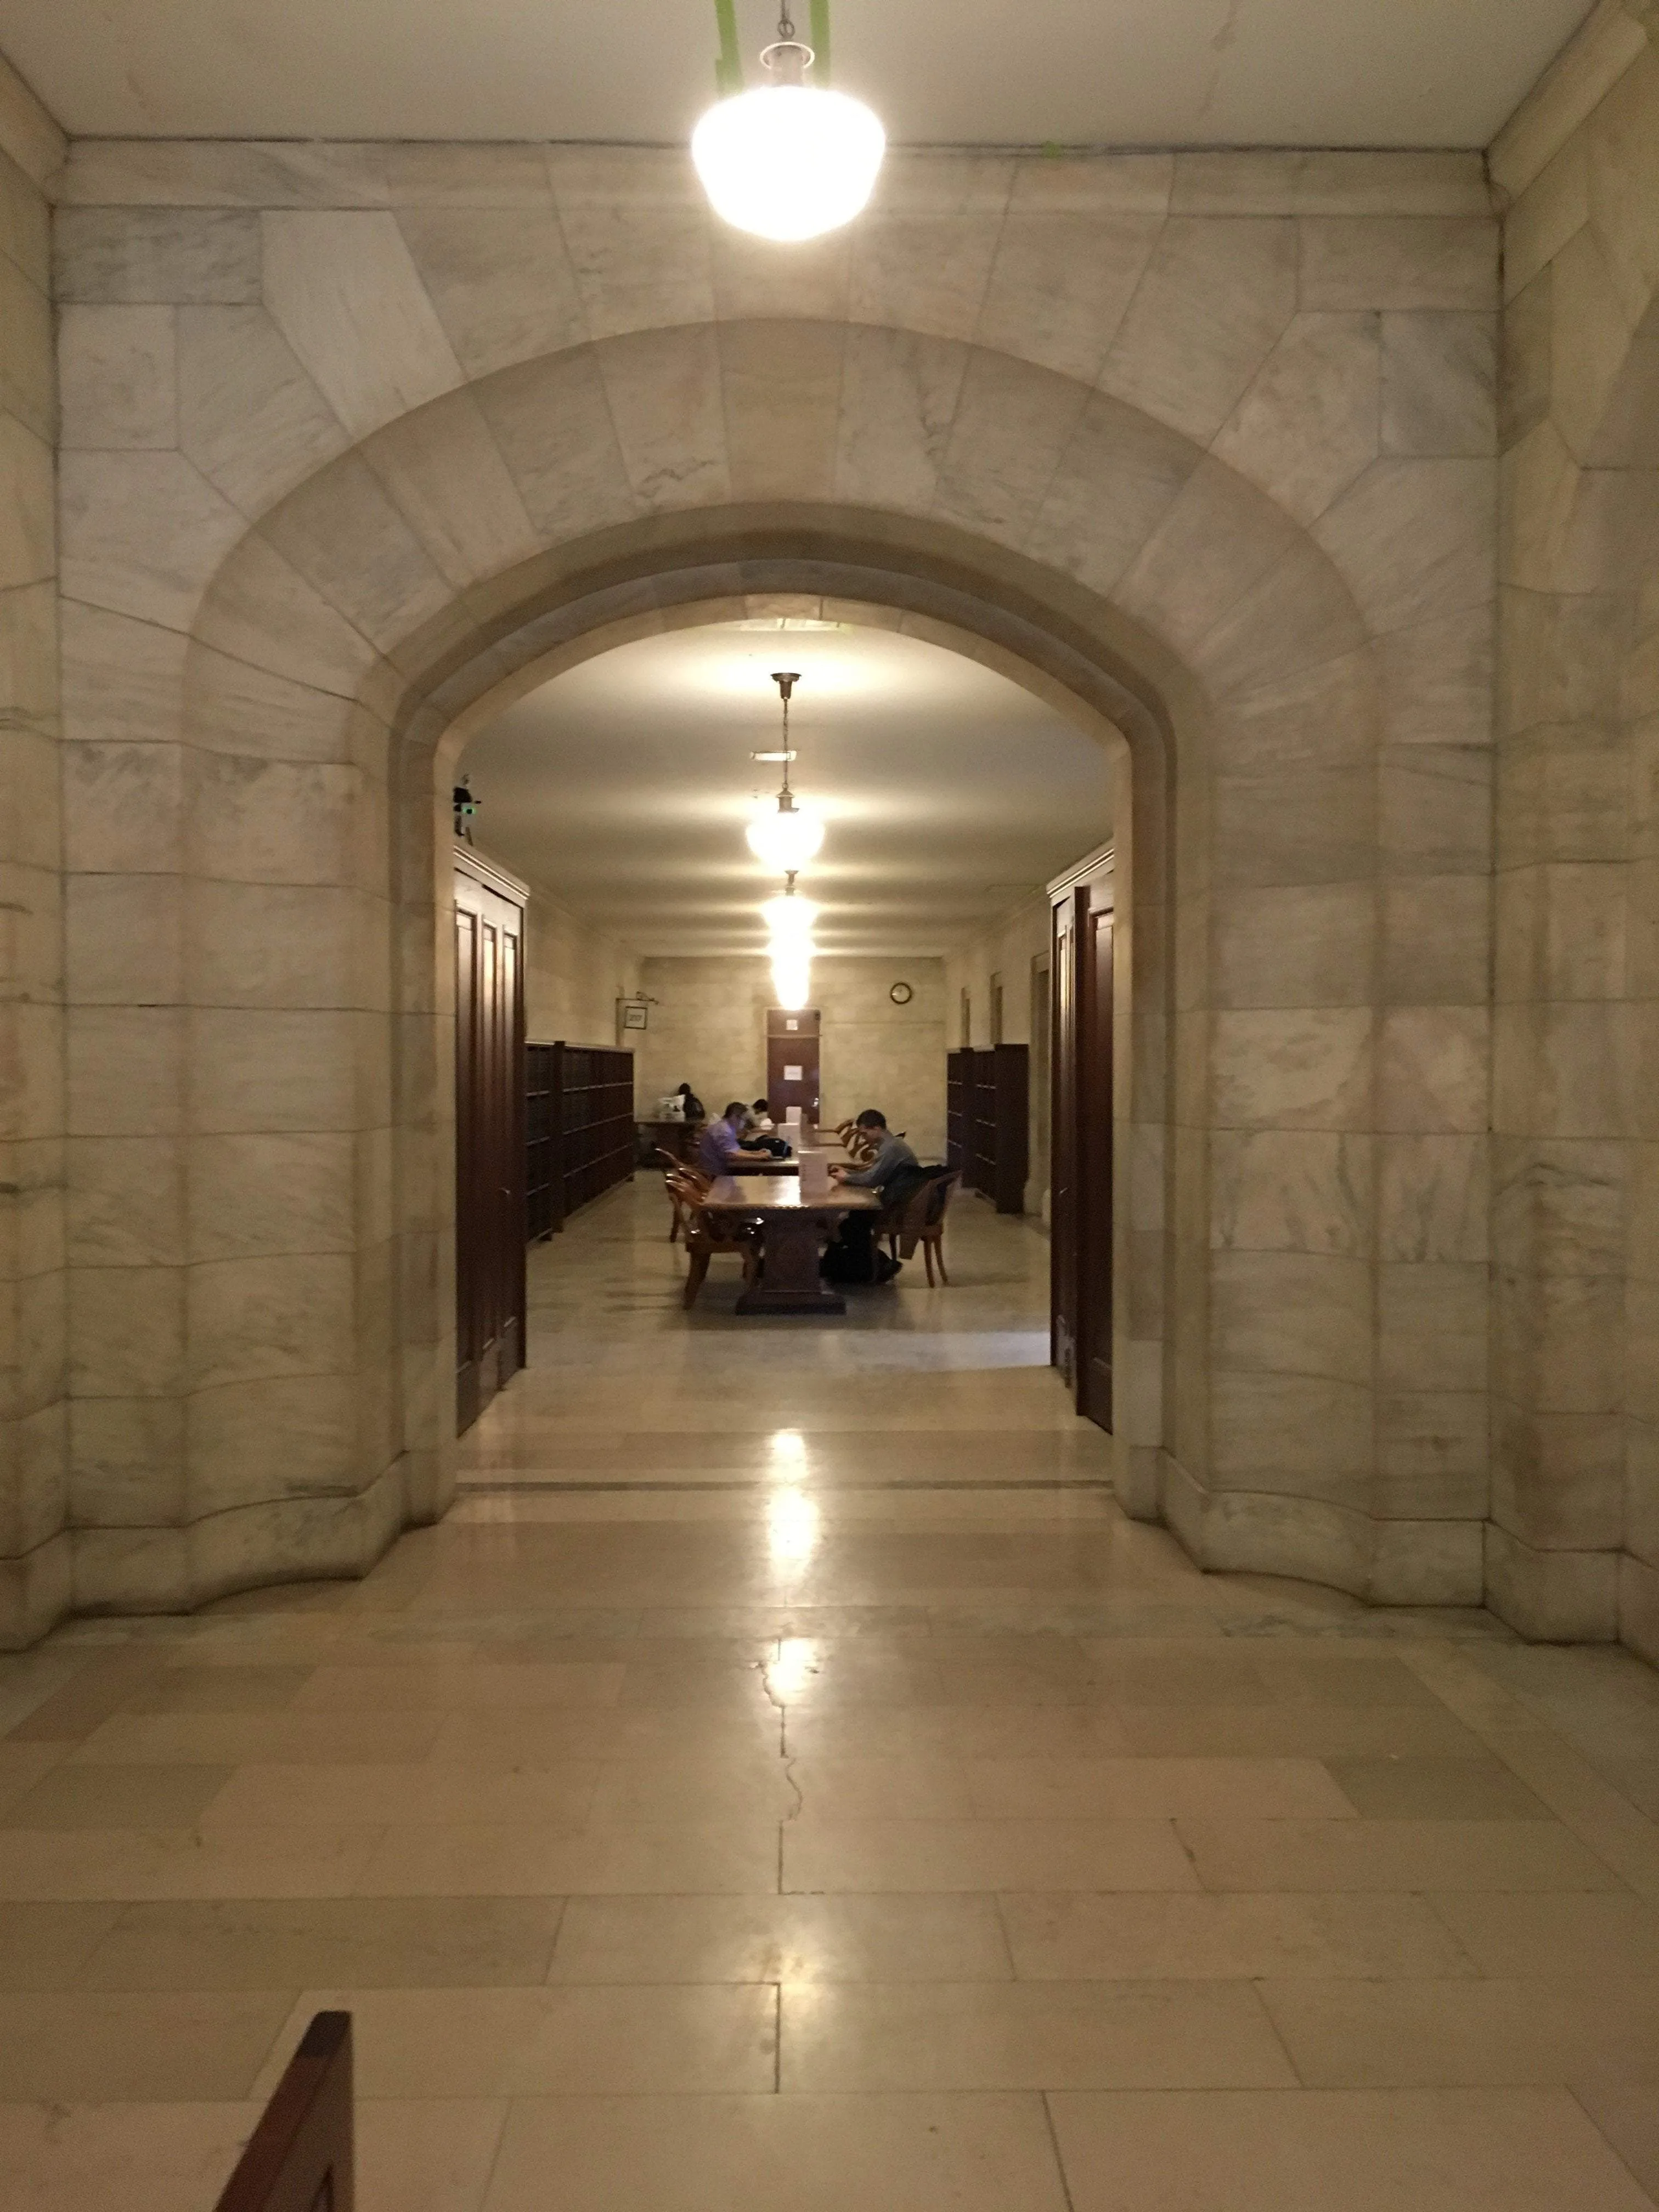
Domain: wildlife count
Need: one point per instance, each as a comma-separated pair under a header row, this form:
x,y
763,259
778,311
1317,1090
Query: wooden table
x,y
792,1229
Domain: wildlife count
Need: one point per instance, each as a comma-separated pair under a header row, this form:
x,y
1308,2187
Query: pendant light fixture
x,y
786,836
787,160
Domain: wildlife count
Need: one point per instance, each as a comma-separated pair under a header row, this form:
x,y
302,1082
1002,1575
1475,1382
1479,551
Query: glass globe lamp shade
x,y
792,979
789,922
788,161
784,837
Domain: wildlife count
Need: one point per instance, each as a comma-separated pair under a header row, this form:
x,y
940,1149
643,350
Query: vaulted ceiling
x,y
622,787
986,72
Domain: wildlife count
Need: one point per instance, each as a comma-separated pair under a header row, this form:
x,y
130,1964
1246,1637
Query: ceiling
x,y
1079,72
622,788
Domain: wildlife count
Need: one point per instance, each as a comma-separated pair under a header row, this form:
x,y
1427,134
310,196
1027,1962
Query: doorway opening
x,y
616,792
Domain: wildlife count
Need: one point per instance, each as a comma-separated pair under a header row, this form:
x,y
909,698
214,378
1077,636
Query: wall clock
x,y
901,995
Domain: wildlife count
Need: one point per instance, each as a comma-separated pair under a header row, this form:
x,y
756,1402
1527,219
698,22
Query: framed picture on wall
x,y
633,1014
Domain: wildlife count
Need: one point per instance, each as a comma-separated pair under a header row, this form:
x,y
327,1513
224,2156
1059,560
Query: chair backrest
x,y
938,1195
299,2156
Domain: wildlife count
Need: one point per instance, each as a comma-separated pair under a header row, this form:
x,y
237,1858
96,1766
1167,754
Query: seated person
x,y
762,1130
692,1106
720,1148
854,1255
893,1156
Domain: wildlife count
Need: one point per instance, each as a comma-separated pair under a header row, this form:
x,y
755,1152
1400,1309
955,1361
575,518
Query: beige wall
x,y
34,1552
709,1029
1573,1545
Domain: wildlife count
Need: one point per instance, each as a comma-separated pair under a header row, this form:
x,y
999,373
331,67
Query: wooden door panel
x,y
795,1048
1094,1364
489,1145
1062,1203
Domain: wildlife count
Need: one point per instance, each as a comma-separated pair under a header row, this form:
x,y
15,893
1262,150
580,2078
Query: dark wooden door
x,y
1062,1193
1094,1121
489,1145
1082,1140
792,1063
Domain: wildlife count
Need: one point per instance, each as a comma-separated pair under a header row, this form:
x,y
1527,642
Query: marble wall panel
x,y
346,294
552,420
1214,303
142,533
1303,1190
923,252
122,679
757,277
249,416
636,226
137,257
1414,540
1074,244
1119,476
343,534
664,392
780,386
117,384
898,400
1012,425
1308,424
1439,384
28,539
446,475
499,278
251,1319
1304,945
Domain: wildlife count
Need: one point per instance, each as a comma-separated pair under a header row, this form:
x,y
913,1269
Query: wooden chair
x,y
708,1234
921,1220
681,1172
299,2156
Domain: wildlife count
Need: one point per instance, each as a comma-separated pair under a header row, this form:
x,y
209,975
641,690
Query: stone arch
x,y
1257,667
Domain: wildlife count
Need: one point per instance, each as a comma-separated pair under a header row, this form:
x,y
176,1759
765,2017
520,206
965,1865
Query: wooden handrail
x,y
300,2157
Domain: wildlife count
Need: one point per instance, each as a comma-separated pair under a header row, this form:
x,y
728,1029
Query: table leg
x,y
789,1280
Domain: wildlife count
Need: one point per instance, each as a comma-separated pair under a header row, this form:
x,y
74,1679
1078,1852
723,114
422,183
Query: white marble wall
x,y
34,1552
358,440
1574,1544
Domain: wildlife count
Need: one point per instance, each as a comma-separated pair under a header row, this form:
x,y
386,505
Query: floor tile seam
x,y
1507,1746
1613,2147
1430,1898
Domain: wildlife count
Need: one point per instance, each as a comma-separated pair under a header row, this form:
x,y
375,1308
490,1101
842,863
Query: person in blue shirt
x,y
720,1148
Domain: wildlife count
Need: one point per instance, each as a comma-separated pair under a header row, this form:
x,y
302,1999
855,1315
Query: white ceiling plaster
x,y
622,788
1081,72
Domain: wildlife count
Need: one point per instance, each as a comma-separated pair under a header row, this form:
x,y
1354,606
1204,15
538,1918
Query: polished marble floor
x,y
784,1780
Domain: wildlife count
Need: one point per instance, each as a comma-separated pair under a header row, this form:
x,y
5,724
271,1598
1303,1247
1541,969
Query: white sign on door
x,y
791,1075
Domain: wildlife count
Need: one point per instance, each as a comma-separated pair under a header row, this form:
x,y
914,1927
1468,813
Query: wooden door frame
x,y
491,896
1077,1274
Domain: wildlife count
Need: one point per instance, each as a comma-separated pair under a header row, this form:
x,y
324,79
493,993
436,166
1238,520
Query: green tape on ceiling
x,y
728,65
820,41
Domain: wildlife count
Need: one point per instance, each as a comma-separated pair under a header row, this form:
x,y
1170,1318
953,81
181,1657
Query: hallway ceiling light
x,y
792,979
789,922
786,836
788,161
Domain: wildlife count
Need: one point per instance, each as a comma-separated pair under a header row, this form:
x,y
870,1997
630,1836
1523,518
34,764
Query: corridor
x,y
784,1780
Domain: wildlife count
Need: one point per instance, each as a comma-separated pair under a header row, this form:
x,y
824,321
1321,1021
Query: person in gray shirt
x,y
894,1155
